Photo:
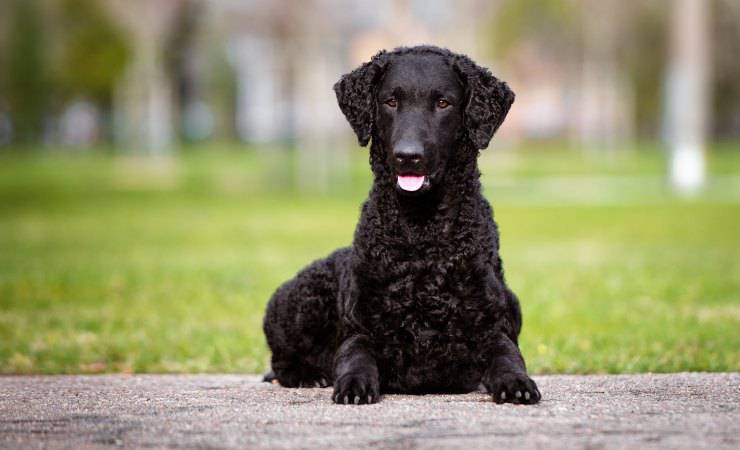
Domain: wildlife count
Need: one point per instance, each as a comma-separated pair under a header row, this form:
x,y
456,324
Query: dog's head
x,y
422,104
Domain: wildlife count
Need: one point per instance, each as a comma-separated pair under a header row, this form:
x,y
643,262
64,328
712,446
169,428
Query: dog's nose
x,y
408,154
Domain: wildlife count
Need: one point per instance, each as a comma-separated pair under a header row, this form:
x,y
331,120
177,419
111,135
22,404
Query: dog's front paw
x,y
513,388
357,389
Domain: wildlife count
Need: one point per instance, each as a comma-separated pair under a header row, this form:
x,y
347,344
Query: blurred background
x,y
165,165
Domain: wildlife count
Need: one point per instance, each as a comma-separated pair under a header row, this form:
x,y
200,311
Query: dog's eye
x,y
442,103
392,102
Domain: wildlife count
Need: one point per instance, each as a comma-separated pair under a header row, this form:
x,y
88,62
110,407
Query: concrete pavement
x,y
226,411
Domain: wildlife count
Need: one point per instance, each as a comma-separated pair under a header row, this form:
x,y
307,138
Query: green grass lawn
x,y
118,264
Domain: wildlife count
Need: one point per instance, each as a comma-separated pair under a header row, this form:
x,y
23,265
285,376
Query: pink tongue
x,y
410,182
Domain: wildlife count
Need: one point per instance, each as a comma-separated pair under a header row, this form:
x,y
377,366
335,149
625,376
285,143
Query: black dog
x,y
418,303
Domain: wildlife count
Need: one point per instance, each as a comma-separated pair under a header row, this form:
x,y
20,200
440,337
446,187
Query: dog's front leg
x,y
356,372
506,379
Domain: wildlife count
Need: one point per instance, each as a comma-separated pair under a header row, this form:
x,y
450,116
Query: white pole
x,y
688,94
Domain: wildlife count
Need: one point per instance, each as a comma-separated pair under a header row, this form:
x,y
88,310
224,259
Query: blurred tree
x,y
553,23
631,40
27,83
94,52
222,89
143,100
726,69
606,97
179,53
645,48
570,49
4,25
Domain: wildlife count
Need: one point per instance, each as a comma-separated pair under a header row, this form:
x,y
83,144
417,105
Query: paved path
x,y
213,411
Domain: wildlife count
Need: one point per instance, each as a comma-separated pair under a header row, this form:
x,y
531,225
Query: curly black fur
x,y
418,303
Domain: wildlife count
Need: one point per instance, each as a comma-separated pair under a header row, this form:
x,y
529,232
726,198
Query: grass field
x,y
124,264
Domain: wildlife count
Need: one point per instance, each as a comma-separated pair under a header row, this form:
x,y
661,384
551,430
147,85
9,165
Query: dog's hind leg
x,y
301,328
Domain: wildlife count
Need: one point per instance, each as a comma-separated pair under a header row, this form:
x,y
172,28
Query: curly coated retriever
x,y
418,303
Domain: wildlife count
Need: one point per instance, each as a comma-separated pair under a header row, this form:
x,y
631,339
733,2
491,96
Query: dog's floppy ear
x,y
489,100
356,96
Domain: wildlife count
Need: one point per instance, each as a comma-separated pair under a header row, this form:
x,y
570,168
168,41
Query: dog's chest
x,y
430,305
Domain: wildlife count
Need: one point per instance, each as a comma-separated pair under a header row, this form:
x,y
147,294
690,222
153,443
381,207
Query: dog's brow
x,y
439,93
